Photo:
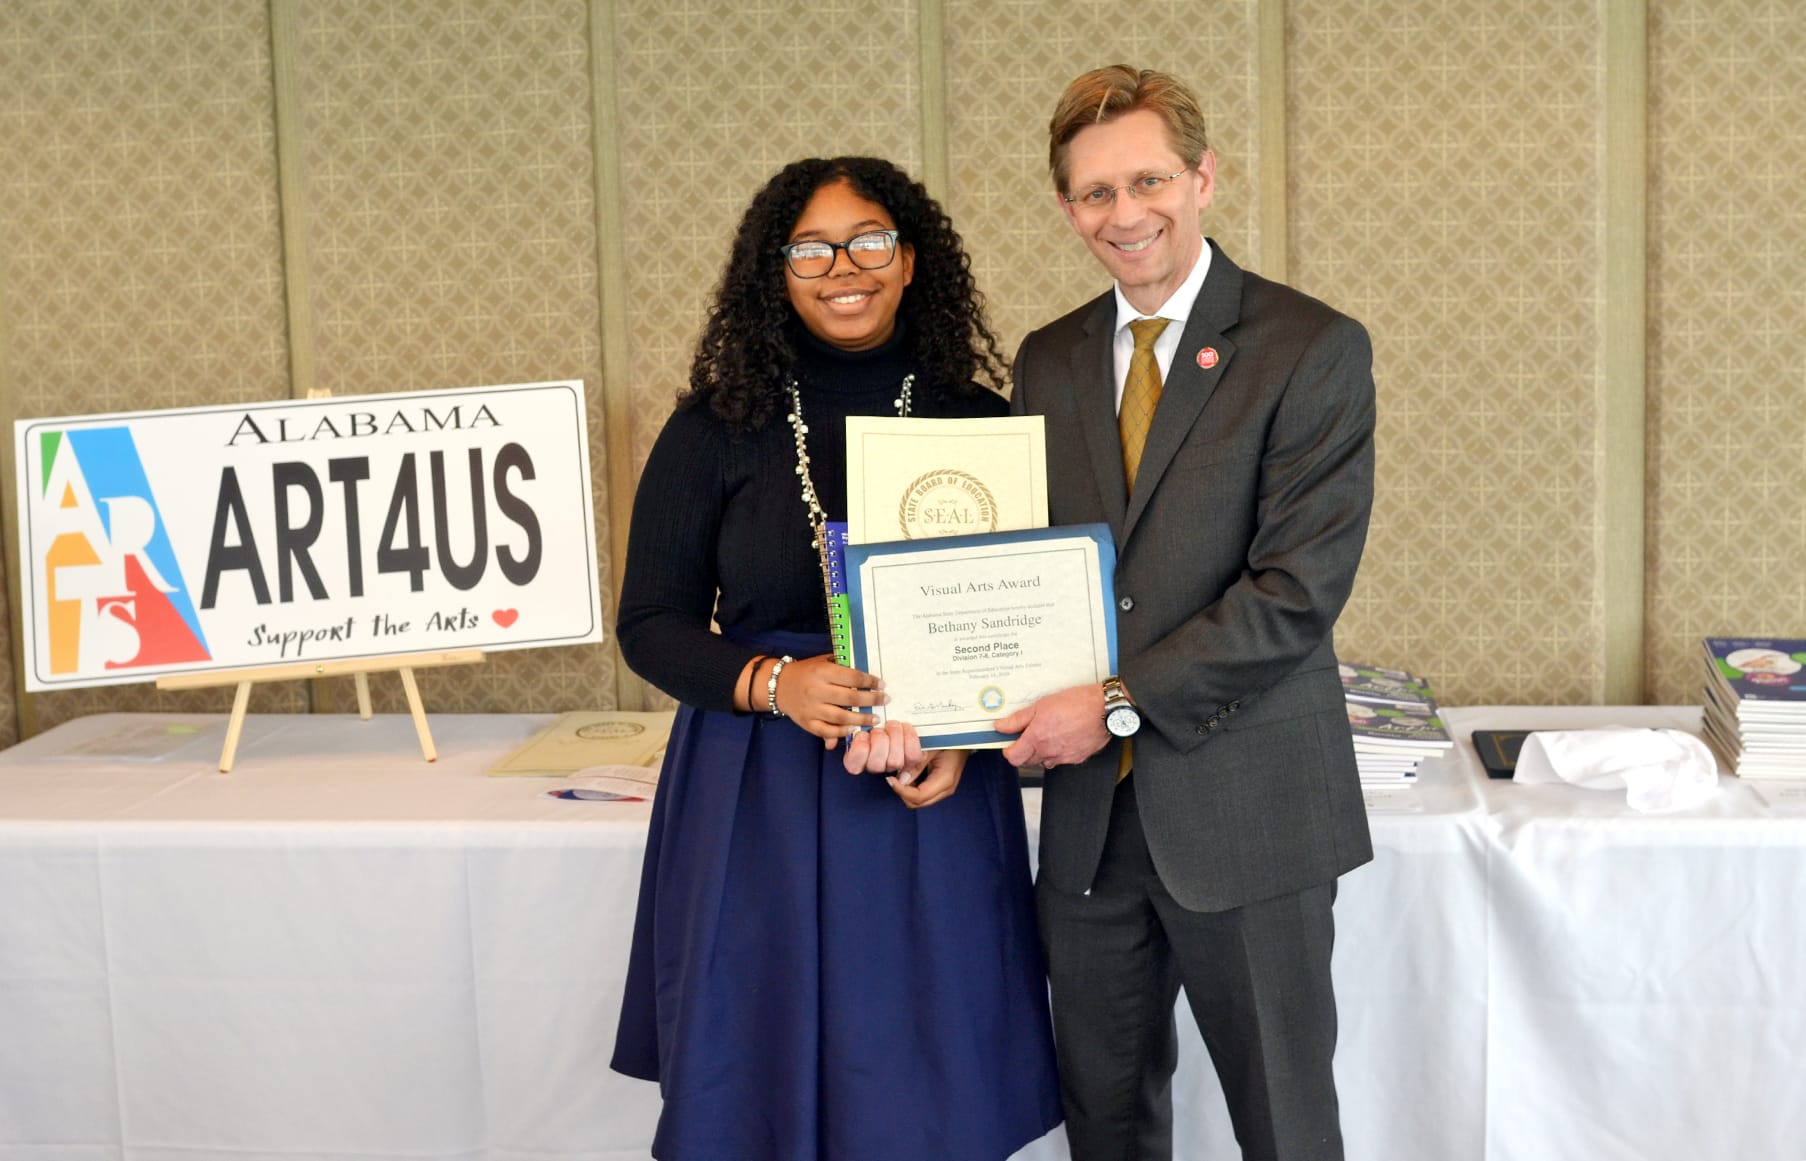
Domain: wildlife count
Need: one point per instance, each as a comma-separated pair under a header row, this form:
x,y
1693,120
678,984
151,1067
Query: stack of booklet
x,y
1394,721
1755,705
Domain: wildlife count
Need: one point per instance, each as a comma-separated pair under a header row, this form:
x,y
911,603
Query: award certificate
x,y
916,479
966,629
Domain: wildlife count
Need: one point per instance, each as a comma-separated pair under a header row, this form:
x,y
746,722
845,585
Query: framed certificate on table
x,y
966,629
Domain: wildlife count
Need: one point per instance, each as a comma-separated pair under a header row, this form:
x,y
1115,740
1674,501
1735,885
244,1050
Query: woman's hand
x,y
885,749
939,779
815,693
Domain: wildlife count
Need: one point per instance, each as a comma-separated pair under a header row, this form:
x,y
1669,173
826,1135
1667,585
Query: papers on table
x,y
1755,705
156,740
1390,800
591,738
1782,797
609,784
1394,721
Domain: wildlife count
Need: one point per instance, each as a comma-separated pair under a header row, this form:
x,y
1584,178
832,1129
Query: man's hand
x,y
1061,729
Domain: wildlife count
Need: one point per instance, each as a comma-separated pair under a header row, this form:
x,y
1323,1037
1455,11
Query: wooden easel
x,y
403,663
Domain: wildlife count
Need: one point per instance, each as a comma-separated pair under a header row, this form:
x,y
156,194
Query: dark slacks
x,y
1256,978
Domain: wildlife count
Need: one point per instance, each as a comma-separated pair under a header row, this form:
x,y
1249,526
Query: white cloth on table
x,y
1659,770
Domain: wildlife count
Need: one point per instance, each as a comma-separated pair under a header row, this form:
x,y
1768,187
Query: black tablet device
x,y
1498,750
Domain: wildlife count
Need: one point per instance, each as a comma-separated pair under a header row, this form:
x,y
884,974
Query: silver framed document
x,y
966,629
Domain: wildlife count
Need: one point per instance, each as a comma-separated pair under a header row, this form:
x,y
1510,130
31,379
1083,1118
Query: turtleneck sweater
x,y
720,527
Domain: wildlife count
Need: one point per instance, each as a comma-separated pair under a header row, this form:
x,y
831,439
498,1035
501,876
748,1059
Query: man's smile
x,y
1138,247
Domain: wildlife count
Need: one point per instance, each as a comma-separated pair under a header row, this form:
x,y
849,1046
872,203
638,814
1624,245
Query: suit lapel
x,y
1094,371
1189,383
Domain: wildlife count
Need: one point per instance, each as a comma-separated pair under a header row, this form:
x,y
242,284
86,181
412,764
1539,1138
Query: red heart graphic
x,y
506,617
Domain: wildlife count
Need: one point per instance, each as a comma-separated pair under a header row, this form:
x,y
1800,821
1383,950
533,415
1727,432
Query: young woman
x,y
835,956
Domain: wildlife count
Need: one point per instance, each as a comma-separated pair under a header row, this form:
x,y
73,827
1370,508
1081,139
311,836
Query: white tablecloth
x,y
341,952
1646,993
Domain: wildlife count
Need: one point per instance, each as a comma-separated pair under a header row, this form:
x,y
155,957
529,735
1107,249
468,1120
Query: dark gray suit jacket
x,y
1234,557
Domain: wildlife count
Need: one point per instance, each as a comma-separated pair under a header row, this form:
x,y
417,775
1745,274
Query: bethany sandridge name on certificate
x,y
967,629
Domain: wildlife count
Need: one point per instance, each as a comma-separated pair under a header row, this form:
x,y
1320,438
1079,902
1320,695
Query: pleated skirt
x,y
819,973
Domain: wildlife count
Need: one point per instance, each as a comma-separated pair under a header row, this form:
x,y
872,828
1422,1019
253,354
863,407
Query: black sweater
x,y
720,514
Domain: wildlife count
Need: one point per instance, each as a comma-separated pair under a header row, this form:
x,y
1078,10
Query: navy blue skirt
x,y
820,973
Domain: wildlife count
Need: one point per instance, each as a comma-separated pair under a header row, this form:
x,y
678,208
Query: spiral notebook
x,y
834,576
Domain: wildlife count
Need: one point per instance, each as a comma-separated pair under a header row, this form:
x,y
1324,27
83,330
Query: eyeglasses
x,y
873,250
1142,188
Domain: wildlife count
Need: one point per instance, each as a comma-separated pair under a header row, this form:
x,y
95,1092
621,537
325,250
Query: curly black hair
x,y
748,348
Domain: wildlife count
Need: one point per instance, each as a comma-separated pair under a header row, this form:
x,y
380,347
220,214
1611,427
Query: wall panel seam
x,y
291,193
611,293
1274,205
931,59
291,215
24,713
1624,370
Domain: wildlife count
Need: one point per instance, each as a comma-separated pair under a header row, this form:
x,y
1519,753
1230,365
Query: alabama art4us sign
x,y
164,542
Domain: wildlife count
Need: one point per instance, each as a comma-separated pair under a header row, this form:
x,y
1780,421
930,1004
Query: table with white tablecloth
x,y
339,951
1644,972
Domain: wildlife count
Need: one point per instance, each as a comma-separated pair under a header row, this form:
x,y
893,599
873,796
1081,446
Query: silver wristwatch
x,y
1121,717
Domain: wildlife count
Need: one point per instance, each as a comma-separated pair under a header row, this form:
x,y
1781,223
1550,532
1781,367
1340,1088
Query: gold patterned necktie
x,y
1140,395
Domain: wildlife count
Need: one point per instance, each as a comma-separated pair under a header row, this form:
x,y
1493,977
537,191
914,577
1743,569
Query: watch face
x,y
1123,720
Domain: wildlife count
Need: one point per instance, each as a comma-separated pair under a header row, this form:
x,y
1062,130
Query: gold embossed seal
x,y
610,731
946,503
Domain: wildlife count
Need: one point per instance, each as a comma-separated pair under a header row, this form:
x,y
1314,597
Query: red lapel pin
x,y
1207,358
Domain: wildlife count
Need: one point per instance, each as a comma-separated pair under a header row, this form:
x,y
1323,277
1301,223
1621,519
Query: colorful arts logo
x,y
114,595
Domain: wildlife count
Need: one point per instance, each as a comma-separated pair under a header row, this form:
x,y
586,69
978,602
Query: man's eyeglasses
x,y
873,250
1142,188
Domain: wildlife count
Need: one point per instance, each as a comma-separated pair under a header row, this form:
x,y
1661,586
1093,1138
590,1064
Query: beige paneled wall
x,y
1445,189
713,100
1006,63
1727,355
449,221
140,263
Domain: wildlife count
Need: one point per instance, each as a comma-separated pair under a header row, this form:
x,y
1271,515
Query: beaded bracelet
x,y
771,685
751,670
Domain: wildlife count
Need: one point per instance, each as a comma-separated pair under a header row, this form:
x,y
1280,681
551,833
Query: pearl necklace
x,y
817,518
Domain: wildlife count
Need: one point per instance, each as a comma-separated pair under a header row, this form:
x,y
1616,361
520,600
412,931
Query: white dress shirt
x,y
1176,308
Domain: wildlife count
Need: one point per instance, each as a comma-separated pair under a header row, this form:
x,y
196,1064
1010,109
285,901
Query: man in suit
x,y
1200,804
